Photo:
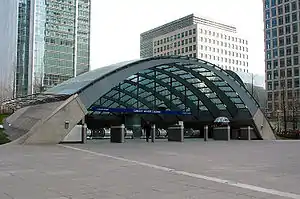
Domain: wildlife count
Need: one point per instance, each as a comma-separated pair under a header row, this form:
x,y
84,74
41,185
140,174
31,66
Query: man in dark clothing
x,y
147,129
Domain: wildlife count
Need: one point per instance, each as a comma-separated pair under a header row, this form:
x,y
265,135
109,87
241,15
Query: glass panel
x,y
240,105
180,88
226,88
179,72
125,98
216,101
236,100
131,88
221,106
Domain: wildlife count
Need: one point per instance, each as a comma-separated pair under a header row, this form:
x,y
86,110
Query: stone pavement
x,y
136,169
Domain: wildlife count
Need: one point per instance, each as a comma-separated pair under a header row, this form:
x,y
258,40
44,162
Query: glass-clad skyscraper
x,y
53,43
8,35
281,20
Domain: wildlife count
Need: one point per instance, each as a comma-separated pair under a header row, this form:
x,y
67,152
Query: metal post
x,y
249,133
153,133
228,133
84,133
205,133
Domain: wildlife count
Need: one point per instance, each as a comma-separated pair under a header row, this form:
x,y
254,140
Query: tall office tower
x,y
281,20
53,43
200,38
8,46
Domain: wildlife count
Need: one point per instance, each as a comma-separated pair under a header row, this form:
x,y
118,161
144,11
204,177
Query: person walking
x,y
147,129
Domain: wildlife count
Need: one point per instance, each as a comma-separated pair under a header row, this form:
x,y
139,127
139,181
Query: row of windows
x,y
282,84
225,52
176,36
287,5
280,20
187,49
223,59
225,44
279,10
290,72
223,36
289,61
178,43
288,29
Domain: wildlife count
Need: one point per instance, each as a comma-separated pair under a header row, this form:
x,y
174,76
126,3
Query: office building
x,y
8,45
53,43
281,25
199,38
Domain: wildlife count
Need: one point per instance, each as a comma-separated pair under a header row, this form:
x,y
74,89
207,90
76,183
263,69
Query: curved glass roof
x,y
180,87
174,82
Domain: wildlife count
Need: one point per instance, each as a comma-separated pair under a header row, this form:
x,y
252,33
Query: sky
x,y
116,25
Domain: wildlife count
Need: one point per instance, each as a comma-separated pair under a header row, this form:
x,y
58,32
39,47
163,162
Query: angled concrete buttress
x,y
45,123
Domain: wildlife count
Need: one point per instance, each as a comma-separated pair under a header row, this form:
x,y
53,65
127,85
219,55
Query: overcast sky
x,y
117,24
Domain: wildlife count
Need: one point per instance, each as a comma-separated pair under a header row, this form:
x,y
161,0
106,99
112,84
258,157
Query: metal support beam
x,y
230,106
171,105
212,108
182,97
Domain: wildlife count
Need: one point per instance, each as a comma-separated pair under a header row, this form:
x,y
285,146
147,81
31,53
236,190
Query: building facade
x,y
199,38
53,43
8,45
281,21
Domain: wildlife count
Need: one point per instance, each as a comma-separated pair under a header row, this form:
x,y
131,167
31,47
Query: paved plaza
x,y
135,169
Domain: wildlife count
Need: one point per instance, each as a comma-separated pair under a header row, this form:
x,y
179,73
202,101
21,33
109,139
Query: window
x,y
194,47
275,53
282,73
288,61
296,71
287,8
194,31
274,32
294,6
295,38
280,20
295,49
275,74
275,63
274,43
289,72
268,24
269,85
194,39
282,62
296,82
274,22
287,29
288,40
288,50
280,10
296,60
190,32
280,31
294,17
281,52
287,18
273,12
295,27
269,75
190,40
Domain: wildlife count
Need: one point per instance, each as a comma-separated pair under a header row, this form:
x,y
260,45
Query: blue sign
x,y
139,111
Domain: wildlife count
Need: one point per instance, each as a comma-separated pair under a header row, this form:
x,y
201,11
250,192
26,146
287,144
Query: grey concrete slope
x,y
44,123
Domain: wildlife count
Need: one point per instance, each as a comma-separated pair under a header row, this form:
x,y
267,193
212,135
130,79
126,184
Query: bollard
x,y
205,133
84,133
228,133
249,133
153,133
